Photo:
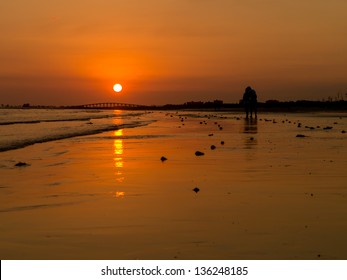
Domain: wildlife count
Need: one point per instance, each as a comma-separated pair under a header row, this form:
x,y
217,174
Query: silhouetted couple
x,y
250,102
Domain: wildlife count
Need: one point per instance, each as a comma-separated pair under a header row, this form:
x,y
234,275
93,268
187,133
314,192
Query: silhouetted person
x,y
250,102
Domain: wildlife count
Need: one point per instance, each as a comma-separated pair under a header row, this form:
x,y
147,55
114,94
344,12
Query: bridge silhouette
x,y
111,105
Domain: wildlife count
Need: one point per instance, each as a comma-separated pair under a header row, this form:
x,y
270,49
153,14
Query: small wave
x,y
57,164
34,119
38,206
126,137
56,120
27,142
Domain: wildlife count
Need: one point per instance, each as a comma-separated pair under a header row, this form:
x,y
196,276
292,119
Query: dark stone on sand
x,y
20,164
163,159
222,142
220,128
252,138
327,127
300,135
210,134
198,153
213,147
196,189
343,131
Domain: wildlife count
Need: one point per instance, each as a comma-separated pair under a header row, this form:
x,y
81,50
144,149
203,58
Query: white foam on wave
x,y
22,143
41,127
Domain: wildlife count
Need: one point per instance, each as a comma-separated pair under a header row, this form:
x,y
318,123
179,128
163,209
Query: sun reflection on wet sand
x,y
118,156
119,194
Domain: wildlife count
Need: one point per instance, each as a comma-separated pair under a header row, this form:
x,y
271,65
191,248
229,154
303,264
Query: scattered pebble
x,y
213,147
343,131
196,189
300,135
198,153
222,142
210,134
163,159
19,164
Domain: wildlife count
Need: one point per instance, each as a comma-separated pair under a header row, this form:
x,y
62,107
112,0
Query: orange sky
x,y
171,51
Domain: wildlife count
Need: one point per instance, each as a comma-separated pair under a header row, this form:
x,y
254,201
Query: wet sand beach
x,y
263,194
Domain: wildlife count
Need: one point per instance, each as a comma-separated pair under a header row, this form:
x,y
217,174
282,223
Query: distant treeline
x,y
274,105
270,105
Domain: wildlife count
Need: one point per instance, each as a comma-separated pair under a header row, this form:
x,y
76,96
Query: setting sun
x,y
117,88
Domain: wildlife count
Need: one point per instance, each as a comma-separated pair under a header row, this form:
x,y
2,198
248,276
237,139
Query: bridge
x,y
110,105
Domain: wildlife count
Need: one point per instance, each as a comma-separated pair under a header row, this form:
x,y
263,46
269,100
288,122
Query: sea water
x,y
23,127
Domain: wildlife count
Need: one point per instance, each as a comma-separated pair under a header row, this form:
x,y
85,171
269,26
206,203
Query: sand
x,y
264,194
